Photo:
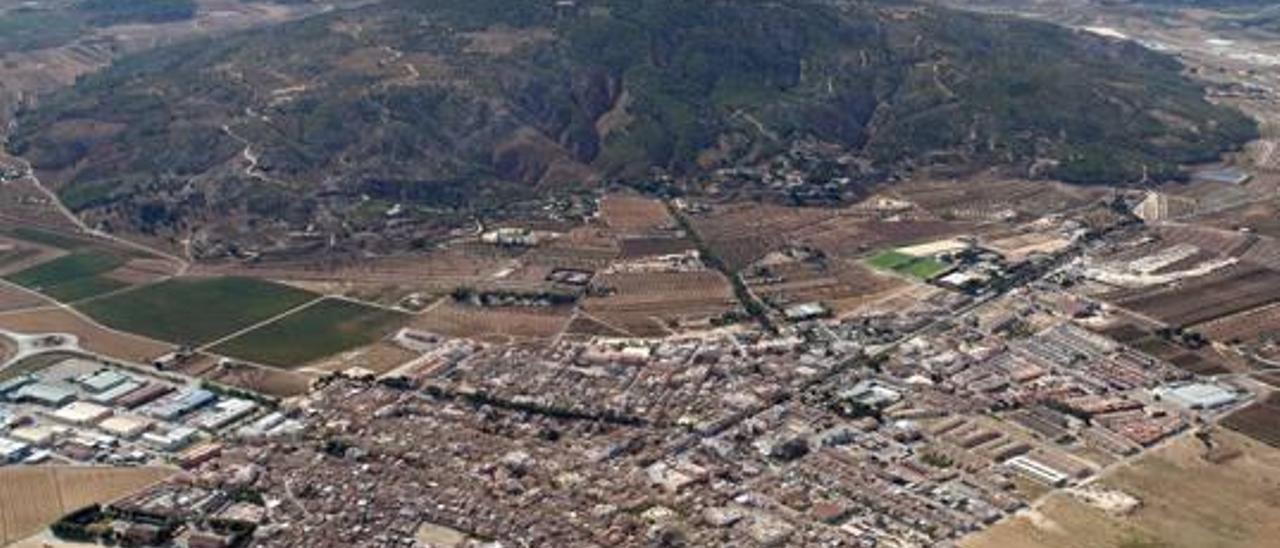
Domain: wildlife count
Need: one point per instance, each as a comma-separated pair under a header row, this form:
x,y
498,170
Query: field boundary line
x,y
370,304
209,345
591,316
36,308
121,291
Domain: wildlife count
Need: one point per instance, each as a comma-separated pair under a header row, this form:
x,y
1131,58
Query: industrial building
x,y
110,395
46,394
1197,395
41,436
170,439
181,404
142,396
102,380
125,426
224,413
12,451
81,413
806,311
12,385
1038,471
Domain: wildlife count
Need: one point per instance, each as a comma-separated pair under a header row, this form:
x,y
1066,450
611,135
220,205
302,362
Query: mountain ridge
x,y
463,105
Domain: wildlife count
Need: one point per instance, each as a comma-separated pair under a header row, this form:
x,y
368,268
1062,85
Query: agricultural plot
x,y
588,328
985,199
13,298
91,337
32,497
920,268
1188,502
740,234
1218,295
843,286
15,258
196,311
855,233
1259,420
642,303
322,329
634,248
440,270
48,238
72,277
72,268
635,214
1246,327
23,203
380,357
493,324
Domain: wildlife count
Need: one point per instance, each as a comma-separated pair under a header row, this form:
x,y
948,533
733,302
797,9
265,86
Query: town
x,y
998,375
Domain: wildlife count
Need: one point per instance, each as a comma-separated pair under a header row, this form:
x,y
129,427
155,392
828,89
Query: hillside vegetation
x,y
459,104
32,25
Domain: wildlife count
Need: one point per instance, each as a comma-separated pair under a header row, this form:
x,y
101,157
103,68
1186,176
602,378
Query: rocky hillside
x,y
453,105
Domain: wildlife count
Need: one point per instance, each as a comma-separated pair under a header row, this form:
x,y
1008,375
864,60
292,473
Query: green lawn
x,y
323,329
926,269
890,260
72,277
198,310
921,268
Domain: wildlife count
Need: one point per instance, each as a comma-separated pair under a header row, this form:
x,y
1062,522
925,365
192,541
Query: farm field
x,y
742,233
1246,327
985,199
635,215
1187,502
13,298
587,328
843,286
493,324
920,268
323,329
644,301
193,311
31,497
439,270
1207,298
71,268
72,277
21,202
16,255
1259,420
49,238
633,248
379,357
91,337
1260,217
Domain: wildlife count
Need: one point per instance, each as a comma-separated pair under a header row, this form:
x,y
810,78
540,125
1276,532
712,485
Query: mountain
x,y
456,105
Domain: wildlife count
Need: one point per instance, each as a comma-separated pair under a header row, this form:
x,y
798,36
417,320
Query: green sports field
x,y
194,311
323,329
921,268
